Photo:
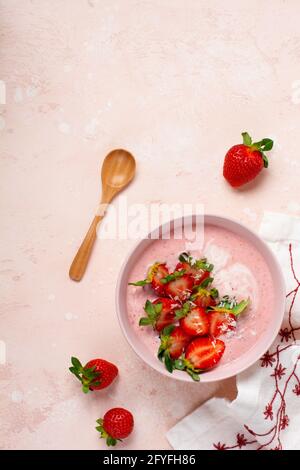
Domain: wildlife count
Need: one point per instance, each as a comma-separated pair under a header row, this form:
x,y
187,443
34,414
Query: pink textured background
x,y
174,82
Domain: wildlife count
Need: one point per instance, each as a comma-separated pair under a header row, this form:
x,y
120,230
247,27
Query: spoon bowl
x,y
118,168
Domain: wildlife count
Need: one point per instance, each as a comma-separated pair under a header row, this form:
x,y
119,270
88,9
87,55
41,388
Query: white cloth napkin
x,y
266,412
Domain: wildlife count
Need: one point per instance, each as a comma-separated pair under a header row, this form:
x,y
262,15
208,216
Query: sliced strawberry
x,y
180,288
204,297
178,341
160,313
184,266
199,275
156,273
204,353
173,342
220,323
194,321
222,317
199,269
167,315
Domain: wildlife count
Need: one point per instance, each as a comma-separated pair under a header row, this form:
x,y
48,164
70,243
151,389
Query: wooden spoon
x,y
118,170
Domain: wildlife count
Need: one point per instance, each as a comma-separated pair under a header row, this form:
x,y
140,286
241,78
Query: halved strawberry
x,y
184,266
199,269
222,317
193,320
220,323
167,315
204,353
203,296
173,342
160,313
180,288
155,274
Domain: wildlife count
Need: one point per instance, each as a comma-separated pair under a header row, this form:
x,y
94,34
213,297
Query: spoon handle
x,y
83,254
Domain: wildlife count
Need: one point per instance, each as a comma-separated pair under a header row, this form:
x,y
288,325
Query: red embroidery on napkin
x,y
267,360
269,412
279,371
241,441
282,420
296,390
285,334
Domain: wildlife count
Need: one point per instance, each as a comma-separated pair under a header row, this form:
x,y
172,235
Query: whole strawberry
x,y
245,161
95,375
116,425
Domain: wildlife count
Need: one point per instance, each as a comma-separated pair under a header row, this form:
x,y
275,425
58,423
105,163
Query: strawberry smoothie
x,y
239,270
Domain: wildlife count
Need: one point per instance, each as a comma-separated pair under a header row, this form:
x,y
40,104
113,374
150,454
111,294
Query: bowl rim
x,y
205,378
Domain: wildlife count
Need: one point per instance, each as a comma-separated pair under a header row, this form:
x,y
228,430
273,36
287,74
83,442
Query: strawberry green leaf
x,y
203,264
267,144
90,373
168,330
240,307
265,160
75,372
110,441
179,364
195,376
153,311
86,375
168,362
230,305
206,282
185,257
76,363
164,342
262,146
139,283
172,277
158,307
184,365
182,312
150,309
214,292
144,321
195,263
246,139
227,302
161,352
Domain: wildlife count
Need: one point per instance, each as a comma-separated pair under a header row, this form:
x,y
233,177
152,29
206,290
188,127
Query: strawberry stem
x,y
153,311
110,441
87,376
183,364
246,139
163,351
262,146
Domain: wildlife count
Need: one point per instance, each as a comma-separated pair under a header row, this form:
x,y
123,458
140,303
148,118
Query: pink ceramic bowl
x,y
240,363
